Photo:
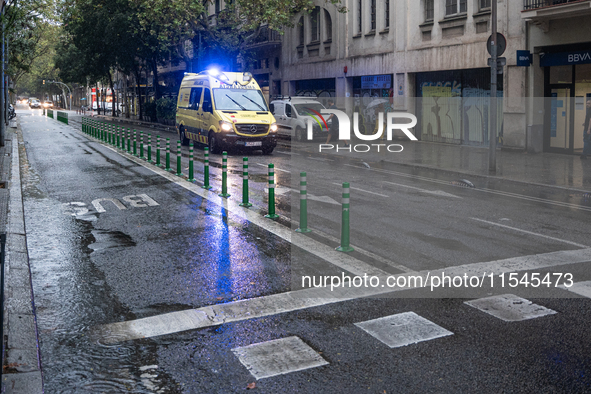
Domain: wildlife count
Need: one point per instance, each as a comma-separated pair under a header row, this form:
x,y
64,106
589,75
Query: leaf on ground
x,y
251,386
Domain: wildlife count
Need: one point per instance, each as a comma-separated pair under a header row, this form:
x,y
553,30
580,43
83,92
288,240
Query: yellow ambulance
x,y
224,110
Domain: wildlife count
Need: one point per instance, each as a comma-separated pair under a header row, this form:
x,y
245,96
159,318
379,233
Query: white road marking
x,y
403,329
278,357
287,153
580,288
325,199
276,169
318,159
483,190
434,192
531,233
509,307
362,190
99,208
214,315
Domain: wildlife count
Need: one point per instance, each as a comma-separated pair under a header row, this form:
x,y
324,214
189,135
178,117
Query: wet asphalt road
x,y
92,268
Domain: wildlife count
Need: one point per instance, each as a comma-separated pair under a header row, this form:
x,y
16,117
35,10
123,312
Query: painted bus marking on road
x,y
77,208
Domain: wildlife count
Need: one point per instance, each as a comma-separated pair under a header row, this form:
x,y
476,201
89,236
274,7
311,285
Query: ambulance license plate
x,y
253,143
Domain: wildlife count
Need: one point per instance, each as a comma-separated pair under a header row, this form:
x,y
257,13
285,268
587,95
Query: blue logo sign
x,y
524,58
565,58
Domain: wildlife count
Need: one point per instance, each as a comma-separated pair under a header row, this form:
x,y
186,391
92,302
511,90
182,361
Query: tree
x,y
227,34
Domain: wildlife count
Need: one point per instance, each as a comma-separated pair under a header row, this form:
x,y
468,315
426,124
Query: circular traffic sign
x,y
501,44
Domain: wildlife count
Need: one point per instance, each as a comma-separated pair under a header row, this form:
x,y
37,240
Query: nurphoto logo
x,y
344,133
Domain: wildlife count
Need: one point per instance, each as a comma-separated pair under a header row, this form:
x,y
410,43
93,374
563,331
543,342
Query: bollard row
x,y
116,137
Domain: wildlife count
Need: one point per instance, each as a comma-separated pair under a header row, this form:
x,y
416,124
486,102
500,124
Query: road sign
x,y
501,44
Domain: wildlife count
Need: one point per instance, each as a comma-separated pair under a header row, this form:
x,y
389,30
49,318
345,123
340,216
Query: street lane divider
x,y
245,202
271,214
224,192
303,204
179,155
103,132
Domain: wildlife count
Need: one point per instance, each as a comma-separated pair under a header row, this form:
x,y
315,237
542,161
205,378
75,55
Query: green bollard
x,y
142,145
206,168
128,140
167,168
158,151
224,192
245,202
191,170
303,205
118,137
135,143
150,148
345,247
179,156
272,214
109,134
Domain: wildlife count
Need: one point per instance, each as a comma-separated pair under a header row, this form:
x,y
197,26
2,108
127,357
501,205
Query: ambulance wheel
x,y
212,143
183,137
268,150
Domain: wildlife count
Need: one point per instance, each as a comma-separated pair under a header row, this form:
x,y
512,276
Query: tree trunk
x,y
137,72
154,65
113,97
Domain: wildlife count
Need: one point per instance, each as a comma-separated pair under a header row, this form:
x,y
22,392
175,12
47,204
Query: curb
x,y
22,363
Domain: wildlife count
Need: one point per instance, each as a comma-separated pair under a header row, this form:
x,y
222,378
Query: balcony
x,y
540,12
266,37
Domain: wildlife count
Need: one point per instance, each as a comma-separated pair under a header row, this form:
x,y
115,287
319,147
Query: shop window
x,y
328,25
315,25
561,74
386,14
373,15
429,10
455,7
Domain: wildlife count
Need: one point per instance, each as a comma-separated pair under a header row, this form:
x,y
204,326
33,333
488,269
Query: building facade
x,y
430,57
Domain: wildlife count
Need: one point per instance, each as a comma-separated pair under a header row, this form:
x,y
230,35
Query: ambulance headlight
x,y
226,126
274,128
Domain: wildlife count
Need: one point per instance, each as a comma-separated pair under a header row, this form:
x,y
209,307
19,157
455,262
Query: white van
x,y
292,115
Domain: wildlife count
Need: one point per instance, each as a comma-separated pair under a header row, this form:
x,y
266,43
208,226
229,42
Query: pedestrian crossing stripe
x,y
509,307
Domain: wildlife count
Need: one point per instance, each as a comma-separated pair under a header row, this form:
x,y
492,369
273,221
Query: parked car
x,y
293,113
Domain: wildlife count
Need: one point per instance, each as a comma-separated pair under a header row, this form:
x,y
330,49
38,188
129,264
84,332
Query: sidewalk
x,y
21,370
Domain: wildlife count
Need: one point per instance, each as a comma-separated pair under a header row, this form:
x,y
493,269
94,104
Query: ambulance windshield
x,y
239,100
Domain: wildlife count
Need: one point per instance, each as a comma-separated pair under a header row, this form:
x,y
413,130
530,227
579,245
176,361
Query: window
x,y
483,4
386,14
207,106
217,6
373,14
301,31
288,110
359,16
453,7
195,98
315,24
429,10
328,25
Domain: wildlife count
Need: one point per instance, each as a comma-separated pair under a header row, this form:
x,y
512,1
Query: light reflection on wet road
x,y
98,268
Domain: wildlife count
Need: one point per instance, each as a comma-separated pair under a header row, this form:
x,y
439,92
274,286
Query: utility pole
x,y
492,132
